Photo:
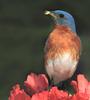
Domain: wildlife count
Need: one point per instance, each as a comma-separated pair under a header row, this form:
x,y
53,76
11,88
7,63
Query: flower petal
x,y
75,86
17,94
41,96
36,83
88,89
80,96
81,84
56,94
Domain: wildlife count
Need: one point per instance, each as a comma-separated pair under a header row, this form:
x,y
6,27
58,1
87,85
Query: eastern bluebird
x,y
62,48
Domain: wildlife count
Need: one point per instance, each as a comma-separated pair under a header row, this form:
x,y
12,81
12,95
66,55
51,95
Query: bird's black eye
x,y
61,15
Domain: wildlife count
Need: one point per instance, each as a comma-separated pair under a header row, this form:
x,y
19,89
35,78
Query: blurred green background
x,y
23,32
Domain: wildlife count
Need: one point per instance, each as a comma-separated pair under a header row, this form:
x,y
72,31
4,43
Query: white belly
x,y
61,67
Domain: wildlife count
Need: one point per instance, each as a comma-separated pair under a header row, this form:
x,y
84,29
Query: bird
x,y
62,48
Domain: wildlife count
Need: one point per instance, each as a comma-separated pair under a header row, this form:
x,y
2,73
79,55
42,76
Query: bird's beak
x,y
50,13
47,12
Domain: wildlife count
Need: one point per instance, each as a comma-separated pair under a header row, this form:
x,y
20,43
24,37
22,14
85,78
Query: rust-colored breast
x,y
60,40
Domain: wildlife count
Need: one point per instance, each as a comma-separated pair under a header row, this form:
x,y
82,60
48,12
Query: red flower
x,y
36,85
82,88
56,94
80,96
81,84
53,94
41,96
17,94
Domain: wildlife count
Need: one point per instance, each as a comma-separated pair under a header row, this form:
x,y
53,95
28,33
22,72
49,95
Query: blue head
x,y
63,18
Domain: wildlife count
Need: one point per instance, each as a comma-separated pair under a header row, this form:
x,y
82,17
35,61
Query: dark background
x,y
23,31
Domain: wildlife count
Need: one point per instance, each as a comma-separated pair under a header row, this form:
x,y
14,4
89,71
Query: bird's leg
x,y
51,84
61,85
64,85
